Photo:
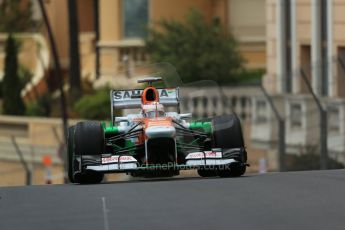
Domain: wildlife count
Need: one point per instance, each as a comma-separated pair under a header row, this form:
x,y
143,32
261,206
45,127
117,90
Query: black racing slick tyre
x,y
227,134
89,138
70,152
235,170
89,177
89,141
207,172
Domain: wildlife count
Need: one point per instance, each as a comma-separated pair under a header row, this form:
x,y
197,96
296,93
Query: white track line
x,y
105,214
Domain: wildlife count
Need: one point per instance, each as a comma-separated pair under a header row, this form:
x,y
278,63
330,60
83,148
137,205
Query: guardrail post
x,y
323,125
22,160
281,132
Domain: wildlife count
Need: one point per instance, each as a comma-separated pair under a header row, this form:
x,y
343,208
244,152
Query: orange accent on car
x,y
159,121
141,138
149,95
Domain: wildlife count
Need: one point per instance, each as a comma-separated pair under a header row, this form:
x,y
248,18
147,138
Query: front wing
x,y
217,158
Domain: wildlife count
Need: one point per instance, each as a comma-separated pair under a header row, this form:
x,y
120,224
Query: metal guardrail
x,y
36,137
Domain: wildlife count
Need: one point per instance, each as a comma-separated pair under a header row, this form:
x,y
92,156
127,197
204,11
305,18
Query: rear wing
x,y
131,99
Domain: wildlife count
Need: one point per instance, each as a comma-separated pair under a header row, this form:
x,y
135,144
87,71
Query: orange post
x,y
47,162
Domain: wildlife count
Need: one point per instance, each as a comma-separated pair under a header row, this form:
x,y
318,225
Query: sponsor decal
x,y
202,155
128,94
159,123
116,158
163,93
152,106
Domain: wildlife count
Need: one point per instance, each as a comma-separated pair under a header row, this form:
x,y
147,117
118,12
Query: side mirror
x,y
121,119
185,115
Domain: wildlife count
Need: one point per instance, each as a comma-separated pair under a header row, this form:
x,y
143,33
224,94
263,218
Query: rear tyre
x,y
89,141
227,134
235,170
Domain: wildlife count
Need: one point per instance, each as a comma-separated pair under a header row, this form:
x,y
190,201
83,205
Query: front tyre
x,y
227,134
89,141
207,172
233,170
89,177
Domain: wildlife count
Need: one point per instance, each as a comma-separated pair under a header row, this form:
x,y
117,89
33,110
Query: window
x,y
135,16
305,59
296,115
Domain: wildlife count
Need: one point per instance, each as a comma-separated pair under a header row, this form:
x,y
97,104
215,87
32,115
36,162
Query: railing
x,y
301,121
36,137
224,100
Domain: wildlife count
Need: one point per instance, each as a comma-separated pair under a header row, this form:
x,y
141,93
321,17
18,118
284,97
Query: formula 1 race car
x,y
154,142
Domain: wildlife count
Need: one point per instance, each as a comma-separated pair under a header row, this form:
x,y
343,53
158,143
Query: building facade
x,y
34,52
112,33
303,37
122,38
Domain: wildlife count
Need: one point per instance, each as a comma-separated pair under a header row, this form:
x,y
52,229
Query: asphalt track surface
x,y
294,200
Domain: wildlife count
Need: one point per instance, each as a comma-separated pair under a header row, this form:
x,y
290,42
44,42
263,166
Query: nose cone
x,y
160,131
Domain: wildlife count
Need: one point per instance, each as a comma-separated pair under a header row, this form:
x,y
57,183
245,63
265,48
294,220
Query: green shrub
x,y
199,49
17,16
24,75
11,85
34,110
250,76
95,106
41,107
